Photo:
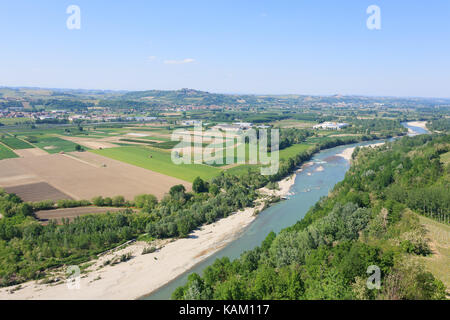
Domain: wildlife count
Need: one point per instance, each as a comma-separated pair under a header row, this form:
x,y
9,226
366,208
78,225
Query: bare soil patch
x,y
37,192
71,213
90,143
85,177
34,152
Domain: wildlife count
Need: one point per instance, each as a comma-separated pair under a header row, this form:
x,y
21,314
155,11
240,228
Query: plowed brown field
x,y
81,175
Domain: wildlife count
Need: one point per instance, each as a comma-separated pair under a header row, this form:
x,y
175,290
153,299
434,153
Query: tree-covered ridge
x,y
408,173
442,125
361,223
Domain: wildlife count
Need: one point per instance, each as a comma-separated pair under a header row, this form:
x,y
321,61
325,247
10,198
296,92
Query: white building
x,y
331,125
227,127
243,125
191,122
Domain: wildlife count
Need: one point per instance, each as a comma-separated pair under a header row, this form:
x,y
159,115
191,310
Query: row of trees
x,y
442,124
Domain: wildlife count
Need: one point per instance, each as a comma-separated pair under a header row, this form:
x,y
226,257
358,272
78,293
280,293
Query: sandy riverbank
x,y
347,153
283,185
145,273
420,124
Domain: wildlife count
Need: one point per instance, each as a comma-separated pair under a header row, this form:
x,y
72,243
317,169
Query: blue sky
x,y
271,47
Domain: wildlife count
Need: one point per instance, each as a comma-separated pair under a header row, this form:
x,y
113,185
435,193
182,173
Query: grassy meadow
x,y
56,145
6,153
160,161
15,143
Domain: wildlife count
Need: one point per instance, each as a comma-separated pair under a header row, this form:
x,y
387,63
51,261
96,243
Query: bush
x,y
146,202
214,189
175,190
65,203
118,201
98,201
43,205
199,185
107,202
148,250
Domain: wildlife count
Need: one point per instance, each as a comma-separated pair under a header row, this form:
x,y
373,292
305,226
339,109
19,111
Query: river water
x,y
416,130
314,181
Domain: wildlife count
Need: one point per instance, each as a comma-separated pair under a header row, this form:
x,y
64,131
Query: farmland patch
x,y
37,192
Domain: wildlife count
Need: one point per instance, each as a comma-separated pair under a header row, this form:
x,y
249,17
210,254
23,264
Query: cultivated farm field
x,y
56,145
81,175
15,143
6,153
37,191
160,161
71,213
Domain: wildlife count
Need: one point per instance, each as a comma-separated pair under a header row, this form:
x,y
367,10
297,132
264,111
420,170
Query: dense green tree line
x,y
385,127
442,125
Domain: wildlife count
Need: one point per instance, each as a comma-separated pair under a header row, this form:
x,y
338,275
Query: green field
x,y
445,158
284,154
438,262
293,150
6,153
15,143
56,145
159,162
12,121
155,138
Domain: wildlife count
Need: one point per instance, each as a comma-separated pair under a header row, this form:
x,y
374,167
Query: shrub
x,y
148,250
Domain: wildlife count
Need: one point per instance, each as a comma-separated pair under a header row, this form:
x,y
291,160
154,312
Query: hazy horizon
x,y
272,48
226,93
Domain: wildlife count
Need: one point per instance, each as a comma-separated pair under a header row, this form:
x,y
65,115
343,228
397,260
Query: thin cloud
x,y
184,61
151,58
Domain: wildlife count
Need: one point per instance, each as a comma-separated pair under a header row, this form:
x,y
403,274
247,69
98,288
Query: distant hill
x,y
194,97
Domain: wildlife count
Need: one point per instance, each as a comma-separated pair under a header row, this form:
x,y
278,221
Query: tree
x,y
177,189
145,201
118,201
199,185
98,201
108,202
214,189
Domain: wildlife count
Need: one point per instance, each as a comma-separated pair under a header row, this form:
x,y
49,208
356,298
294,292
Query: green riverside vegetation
x,y
369,219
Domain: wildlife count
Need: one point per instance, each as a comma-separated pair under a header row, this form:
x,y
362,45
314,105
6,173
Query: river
x,y
316,179
416,130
